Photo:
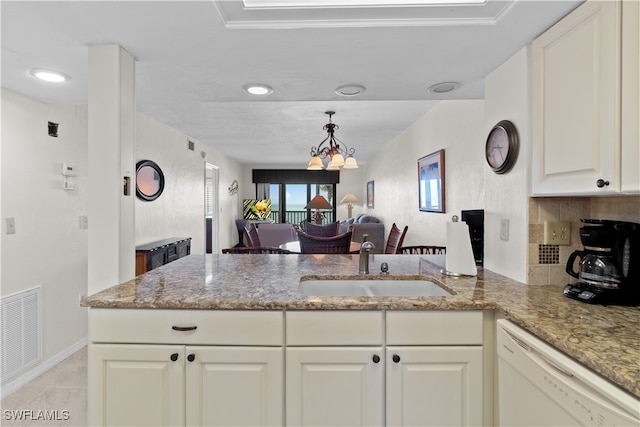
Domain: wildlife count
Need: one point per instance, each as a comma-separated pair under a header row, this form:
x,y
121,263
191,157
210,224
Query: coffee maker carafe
x,y
608,267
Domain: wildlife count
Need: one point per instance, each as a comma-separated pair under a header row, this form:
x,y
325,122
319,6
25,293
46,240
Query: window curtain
x,y
262,191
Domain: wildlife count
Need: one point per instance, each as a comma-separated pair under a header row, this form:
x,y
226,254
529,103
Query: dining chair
x,y
423,250
255,250
325,230
396,237
251,235
324,245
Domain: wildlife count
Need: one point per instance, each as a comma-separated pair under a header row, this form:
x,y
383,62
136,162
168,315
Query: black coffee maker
x,y
609,265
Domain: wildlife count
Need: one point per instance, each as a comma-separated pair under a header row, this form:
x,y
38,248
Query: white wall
x,y
456,126
506,196
48,249
179,211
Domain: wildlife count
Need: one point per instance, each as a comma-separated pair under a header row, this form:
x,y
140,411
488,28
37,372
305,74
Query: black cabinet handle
x,y
602,183
174,357
376,358
191,357
184,328
395,358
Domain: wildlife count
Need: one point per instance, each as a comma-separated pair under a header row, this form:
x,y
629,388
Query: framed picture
x,y
370,194
431,182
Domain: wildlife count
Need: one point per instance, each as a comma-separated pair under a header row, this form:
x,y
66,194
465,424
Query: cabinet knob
x,y
174,357
191,357
376,358
602,183
395,358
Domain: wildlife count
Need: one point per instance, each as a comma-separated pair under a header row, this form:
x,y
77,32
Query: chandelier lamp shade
x,y
317,203
340,156
349,199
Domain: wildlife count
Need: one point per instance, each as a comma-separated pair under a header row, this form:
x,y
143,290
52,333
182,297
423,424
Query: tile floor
x,y
61,392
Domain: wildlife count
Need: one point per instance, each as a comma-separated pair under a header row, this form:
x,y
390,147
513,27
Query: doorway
x,y
211,211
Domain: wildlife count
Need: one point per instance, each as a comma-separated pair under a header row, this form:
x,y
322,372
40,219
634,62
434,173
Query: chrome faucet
x,y
365,249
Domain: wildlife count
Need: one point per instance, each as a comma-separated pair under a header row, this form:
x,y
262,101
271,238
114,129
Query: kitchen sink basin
x,y
371,288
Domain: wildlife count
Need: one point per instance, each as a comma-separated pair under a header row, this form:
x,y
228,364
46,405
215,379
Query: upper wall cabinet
x,y
585,102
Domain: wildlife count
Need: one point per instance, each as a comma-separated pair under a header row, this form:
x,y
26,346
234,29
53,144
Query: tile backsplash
x,y
547,262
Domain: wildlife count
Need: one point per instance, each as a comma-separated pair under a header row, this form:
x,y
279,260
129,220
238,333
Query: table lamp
x,y
349,199
318,203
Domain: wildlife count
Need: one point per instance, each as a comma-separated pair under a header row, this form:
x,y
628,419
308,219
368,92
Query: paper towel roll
x,y
460,259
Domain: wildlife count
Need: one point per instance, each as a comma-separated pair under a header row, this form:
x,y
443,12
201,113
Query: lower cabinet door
x,y
434,386
136,385
234,386
341,386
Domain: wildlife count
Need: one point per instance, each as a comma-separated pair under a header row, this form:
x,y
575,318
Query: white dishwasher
x,y
540,386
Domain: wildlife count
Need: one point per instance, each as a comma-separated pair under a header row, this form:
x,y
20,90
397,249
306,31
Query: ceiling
x,y
194,57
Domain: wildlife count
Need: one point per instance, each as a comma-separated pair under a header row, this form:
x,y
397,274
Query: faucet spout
x,y
365,249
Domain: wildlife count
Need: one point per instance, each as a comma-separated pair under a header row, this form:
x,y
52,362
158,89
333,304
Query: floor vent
x,y
20,335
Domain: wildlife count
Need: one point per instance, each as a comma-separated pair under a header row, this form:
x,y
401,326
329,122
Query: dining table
x,y
294,246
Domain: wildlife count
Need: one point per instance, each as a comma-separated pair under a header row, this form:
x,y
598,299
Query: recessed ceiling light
x,y
350,90
258,89
48,75
444,87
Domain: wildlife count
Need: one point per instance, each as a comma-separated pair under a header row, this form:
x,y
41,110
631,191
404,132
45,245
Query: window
x,y
291,190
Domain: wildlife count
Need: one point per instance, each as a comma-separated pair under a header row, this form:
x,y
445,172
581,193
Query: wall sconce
x,y
233,189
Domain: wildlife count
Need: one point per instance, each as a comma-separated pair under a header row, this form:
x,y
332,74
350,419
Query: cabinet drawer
x,y
213,327
434,328
334,328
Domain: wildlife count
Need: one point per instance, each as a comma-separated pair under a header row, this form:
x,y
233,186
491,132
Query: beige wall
x,y
179,211
456,126
49,249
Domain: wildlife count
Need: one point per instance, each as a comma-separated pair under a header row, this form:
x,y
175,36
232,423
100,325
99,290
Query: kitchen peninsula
x,y
604,339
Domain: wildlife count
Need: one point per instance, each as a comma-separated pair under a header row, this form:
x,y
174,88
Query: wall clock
x,y
501,149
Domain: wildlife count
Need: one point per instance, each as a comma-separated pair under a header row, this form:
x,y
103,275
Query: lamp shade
x,y
315,164
318,202
349,198
350,163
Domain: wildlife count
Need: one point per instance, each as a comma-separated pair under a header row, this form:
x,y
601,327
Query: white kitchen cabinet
x,y
341,386
335,368
630,137
136,385
577,102
185,382
429,373
234,386
434,386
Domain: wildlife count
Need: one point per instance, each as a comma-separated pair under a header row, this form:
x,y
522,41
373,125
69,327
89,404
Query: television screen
x,y
256,209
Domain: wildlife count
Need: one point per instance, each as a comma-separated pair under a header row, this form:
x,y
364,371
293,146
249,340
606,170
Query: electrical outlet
x,y
11,226
557,233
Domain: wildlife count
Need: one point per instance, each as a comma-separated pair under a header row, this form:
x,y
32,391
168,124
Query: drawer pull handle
x,y
376,358
602,183
191,357
396,358
184,328
174,357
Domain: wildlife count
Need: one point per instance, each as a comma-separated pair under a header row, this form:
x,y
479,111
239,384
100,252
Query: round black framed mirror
x,y
149,180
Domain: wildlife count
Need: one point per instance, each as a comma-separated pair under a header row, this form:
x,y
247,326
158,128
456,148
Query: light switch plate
x,y
557,233
504,229
11,226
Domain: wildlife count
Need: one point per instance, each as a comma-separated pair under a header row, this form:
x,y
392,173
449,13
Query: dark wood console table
x,y
153,255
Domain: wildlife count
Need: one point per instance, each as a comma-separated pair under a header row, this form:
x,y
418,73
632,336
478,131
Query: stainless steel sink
x,y
371,288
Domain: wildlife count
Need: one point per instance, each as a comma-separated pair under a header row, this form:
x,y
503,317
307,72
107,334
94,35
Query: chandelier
x,y
340,156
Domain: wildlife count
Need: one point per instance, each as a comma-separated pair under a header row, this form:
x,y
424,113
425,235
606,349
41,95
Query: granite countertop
x,y
603,338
